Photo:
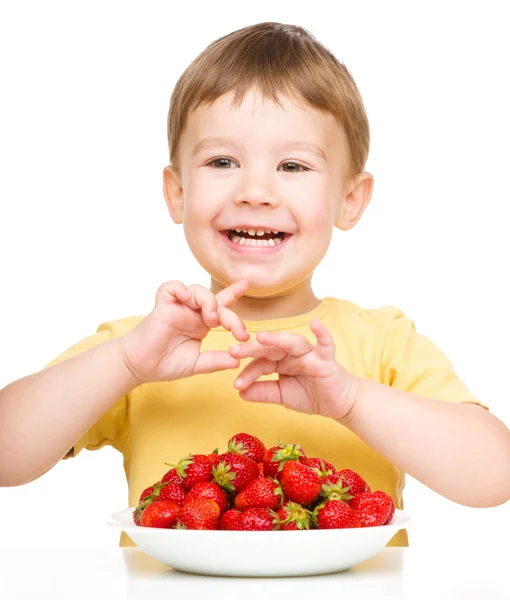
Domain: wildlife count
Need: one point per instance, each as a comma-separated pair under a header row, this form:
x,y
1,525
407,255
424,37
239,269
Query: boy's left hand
x,y
310,380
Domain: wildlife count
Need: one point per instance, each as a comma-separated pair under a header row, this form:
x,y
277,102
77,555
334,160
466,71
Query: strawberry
x,y
259,519
390,516
248,445
261,469
193,469
201,513
137,513
277,456
235,471
230,520
147,492
335,491
357,484
321,466
332,479
262,492
300,482
213,457
335,514
162,514
174,492
209,489
373,508
294,516
171,476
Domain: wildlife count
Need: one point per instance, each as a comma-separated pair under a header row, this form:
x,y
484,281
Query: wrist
x,y
132,377
355,394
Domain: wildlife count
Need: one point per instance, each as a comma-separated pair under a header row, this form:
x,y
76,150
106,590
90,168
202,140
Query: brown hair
x,y
273,58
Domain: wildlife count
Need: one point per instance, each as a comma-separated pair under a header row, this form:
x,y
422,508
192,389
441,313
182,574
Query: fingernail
x,y
263,333
238,382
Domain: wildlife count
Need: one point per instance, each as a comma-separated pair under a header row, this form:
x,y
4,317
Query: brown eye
x,y
216,161
295,167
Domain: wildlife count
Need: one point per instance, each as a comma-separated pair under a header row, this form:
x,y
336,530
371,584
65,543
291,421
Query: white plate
x,y
260,553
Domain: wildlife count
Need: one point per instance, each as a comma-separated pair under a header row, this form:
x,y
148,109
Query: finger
x,y
172,291
293,343
214,360
204,300
231,322
325,346
263,391
254,349
252,371
231,293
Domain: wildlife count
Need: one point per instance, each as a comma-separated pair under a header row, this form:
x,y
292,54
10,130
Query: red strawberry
x,y
235,471
294,516
390,516
261,469
332,479
277,456
373,508
201,513
174,492
137,513
260,493
193,469
300,482
230,520
248,445
259,519
162,514
357,484
321,466
171,476
213,457
209,489
147,492
335,490
335,514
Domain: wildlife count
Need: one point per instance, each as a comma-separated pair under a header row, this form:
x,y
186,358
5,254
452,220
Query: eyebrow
x,y
214,142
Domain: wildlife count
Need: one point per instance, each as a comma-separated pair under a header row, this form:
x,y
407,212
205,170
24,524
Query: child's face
x,y
250,180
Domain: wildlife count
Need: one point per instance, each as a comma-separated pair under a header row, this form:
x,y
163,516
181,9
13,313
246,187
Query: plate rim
x,y
117,524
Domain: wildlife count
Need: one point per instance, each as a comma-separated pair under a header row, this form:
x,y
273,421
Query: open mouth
x,y
251,237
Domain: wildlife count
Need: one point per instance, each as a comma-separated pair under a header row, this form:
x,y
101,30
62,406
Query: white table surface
x,y
465,570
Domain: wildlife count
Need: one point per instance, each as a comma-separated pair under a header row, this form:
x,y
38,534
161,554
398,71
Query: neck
x,y
289,303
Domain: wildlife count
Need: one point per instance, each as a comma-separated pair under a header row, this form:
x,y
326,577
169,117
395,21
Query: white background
x,y
86,237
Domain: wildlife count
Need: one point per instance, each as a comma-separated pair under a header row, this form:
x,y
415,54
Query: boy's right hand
x,y
165,345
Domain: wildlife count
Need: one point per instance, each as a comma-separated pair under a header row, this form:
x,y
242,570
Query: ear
x,y
359,192
172,189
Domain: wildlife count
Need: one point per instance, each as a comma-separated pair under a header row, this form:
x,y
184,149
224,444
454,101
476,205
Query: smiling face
x,y
259,168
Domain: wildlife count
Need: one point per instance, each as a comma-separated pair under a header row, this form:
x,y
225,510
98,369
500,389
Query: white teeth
x,y
251,231
242,241
260,232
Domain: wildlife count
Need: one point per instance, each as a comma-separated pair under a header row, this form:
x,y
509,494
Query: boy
x,y
360,388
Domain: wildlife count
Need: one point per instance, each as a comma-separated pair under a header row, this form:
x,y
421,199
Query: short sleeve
x,y
113,427
413,363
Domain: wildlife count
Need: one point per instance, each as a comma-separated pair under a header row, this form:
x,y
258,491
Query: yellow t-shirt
x,y
163,422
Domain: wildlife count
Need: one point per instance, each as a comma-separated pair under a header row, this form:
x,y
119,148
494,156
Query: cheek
x,y
201,203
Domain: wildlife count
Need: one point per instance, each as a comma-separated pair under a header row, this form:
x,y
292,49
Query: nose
x,y
255,193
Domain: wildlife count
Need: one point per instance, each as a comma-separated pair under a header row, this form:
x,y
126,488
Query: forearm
x,y
43,415
459,450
